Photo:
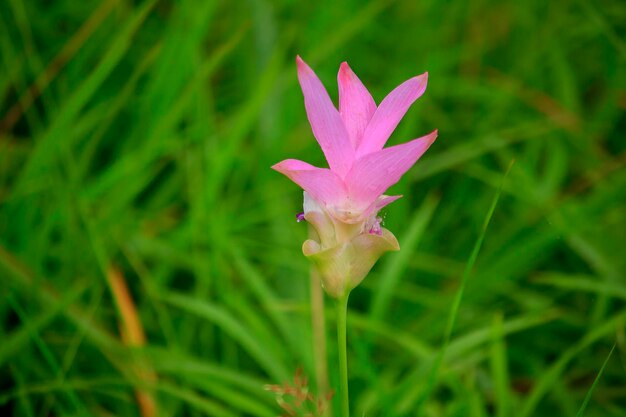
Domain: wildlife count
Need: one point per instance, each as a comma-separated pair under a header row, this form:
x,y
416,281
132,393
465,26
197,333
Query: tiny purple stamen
x,y
300,217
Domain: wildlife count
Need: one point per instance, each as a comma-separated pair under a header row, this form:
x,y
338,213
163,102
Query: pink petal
x,y
377,205
383,201
391,110
374,173
327,126
323,184
356,105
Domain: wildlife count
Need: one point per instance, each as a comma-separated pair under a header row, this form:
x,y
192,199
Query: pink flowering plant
x,y
342,202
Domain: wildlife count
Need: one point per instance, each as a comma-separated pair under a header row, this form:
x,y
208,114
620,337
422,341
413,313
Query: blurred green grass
x,y
138,136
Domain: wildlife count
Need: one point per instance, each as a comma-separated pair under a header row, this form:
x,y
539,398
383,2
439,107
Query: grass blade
x,y
595,382
432,378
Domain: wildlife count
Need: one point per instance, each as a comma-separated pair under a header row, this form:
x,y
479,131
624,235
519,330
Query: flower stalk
x,y
342,317
319,333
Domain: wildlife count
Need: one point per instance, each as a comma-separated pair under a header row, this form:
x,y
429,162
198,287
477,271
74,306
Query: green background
x,y
138,136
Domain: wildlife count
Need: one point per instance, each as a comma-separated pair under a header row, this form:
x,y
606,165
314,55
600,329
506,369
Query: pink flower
x,y
352,139
341,203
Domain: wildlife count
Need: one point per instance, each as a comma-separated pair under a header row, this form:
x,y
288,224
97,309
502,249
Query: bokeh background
x,y
150,262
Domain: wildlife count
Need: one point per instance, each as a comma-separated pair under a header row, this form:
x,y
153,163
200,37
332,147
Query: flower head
x,y
352,139
342,201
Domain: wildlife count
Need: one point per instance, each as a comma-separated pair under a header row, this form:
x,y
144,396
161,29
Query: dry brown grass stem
x,y
133,335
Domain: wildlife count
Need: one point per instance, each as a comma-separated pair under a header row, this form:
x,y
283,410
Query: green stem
x,y
319,336
342,313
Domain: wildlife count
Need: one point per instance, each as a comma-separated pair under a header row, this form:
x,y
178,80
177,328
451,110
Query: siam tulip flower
x,y
342,202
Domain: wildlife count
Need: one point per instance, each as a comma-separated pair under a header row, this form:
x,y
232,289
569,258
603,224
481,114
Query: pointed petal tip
x,y
345,72
429,138
301,64
280,165
292,165
289,165
422,77
421,82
